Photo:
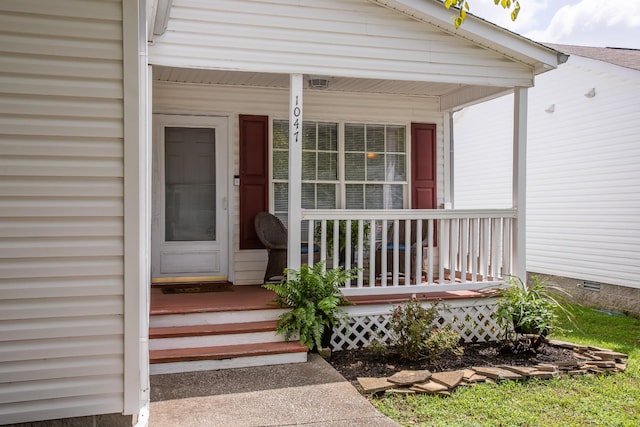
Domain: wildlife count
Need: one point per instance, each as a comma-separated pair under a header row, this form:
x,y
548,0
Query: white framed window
x,y
344,165
376,176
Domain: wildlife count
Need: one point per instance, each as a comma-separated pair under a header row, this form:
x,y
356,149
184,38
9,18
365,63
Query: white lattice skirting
x,y
473,319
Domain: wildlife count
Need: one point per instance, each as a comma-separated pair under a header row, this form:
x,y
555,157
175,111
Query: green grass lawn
x,y
608,400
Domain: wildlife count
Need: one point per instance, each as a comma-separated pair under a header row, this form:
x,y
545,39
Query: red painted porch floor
x,y
255,297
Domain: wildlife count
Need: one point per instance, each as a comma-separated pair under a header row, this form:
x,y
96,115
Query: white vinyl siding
x,y
61,209
583,179
321,106
348,38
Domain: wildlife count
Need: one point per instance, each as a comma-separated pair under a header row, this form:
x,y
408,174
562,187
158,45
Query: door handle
x,y
224,203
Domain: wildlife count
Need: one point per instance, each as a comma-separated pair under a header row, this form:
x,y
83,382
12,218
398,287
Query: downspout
x,y
449,163
136,212
519,248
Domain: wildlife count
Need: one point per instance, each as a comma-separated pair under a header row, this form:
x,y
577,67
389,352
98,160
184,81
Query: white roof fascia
x,y
152,9
157,17
481,33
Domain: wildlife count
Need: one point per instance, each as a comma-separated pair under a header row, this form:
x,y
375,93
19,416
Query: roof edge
x,y
482,33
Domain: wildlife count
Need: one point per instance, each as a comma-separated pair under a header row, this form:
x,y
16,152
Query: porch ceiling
x,y
274,80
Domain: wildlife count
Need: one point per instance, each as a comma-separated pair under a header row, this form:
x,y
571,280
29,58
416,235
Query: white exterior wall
x,y
172,98
349,38
583,203
61,209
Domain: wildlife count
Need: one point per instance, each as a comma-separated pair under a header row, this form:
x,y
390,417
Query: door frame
x,y
184,119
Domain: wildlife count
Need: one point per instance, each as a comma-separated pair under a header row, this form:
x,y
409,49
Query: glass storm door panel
x,y
189,226
190,186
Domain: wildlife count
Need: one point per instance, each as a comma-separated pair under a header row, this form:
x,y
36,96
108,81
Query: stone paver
x,y
410,377
497,373
429,387
610,355
451,379
524,371
375,385
546,367
544,375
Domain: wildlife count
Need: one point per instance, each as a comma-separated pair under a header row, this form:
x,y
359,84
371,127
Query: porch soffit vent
x,y
588,285
318,82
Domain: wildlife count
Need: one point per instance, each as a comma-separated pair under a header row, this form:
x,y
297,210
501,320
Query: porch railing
x,y
413,251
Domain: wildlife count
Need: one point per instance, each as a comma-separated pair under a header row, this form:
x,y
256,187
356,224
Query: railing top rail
x,y
406,214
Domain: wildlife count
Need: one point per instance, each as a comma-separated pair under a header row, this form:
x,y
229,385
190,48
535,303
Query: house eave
x,y
158,17
482,33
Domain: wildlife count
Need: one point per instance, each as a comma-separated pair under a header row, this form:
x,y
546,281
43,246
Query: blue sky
x,y
580,22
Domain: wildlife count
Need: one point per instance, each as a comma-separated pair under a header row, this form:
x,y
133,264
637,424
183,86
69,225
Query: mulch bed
x,y
367,363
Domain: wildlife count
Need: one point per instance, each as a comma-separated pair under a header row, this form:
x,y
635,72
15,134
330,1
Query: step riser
x,y
238,362
191,319
214,340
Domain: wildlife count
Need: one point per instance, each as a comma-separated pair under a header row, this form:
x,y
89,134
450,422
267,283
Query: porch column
x,y
295,170
449,183
520,182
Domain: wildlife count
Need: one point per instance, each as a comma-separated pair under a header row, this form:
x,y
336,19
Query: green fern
x,y
314,296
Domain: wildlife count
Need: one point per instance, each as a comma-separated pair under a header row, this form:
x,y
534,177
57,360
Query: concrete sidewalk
x,y
307,394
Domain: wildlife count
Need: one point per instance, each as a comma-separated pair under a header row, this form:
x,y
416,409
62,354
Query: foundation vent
x,y
591,286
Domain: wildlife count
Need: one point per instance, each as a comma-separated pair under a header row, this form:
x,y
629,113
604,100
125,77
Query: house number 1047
x,y
296,122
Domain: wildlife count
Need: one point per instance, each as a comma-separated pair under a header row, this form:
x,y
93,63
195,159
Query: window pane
x,y
309,136
326,196
353,137
308,196
280,196
373,196
354,167
375,139
395,139
280,164
328,136
309,165
281,134
355,196
375,167
328,166
393,196
284,218
396,167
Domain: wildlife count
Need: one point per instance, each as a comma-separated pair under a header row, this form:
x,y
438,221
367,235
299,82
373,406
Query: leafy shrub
x,y
377,348
440,341
314,297
529,309
416,337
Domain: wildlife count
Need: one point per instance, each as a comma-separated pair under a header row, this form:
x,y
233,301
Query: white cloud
x,y
593,23
580,22
527,18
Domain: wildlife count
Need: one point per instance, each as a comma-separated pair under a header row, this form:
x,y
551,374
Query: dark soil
x,y
367,363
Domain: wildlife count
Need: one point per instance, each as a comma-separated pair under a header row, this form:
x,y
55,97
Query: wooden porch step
x,y
217,329
225,352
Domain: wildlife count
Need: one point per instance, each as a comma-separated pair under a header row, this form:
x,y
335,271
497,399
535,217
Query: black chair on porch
x,y
273,235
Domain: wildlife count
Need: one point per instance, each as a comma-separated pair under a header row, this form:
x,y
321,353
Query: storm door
x,y
190,200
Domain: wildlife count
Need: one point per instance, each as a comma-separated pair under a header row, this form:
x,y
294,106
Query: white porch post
x,y
449,184
520,182
295,170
